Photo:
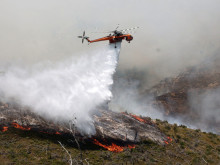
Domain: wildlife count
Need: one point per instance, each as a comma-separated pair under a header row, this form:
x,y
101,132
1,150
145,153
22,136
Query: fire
x,y
16,125
56,133
131,146
138,118
113,147
134,116
4,129
168,140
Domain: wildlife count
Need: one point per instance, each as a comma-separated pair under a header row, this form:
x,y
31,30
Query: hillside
x,y
123,138
188,147
193,96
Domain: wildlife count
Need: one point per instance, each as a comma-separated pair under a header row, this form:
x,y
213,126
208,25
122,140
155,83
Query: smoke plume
x,y
206,105
172,36
127,97
69,89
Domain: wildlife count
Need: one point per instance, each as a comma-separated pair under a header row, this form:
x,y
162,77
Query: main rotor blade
x,y
117,27
130,32
80,37
129,29
84,33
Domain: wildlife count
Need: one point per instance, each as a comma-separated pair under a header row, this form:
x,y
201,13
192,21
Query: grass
x,y
188,147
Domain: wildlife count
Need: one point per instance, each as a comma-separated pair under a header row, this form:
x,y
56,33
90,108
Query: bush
x,y
182,144
167,127
175,128
198,130
183,126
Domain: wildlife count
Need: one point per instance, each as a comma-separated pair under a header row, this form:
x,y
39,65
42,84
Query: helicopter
x,y
114,36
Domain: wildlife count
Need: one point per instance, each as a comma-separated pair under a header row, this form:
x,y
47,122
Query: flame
x,y
57,133
124,113
113,147
168,140
131,146
138,118
4,129
16,125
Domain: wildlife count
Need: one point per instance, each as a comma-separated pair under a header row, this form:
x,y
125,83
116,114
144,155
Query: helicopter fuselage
x,y
113,38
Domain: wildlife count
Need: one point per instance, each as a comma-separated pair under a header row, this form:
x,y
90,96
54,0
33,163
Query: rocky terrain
x,y
124,138
109,125
193,95
33,147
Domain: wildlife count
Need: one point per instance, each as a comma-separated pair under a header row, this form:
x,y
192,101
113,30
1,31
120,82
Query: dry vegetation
x,y
188,147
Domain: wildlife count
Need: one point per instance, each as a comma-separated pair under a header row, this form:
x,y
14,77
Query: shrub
x,y
175,128
183,126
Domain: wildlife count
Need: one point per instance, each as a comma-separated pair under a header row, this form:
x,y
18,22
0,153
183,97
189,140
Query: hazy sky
x,y
172,34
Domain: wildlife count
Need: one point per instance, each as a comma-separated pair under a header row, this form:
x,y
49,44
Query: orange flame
x,y
138,118
57,133
16,125
131,146
4,129
113,147
169,140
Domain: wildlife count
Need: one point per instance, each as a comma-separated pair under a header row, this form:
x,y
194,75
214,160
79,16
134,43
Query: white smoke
x,y
206,105
71,88
127,97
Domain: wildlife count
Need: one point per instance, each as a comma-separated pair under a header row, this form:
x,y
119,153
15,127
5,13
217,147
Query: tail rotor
x,y
83,36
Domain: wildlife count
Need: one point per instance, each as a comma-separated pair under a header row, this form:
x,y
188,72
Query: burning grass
x,y
4,129
16,125
113,147
188,146
168,140
138,118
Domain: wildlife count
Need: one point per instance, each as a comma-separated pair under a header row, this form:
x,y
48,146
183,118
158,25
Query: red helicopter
x,y
114,36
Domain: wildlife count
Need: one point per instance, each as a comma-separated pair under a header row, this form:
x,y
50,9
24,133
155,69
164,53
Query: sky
x,y
173,34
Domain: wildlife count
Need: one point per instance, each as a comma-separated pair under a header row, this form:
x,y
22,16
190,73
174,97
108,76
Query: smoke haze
x,y
173,34
38,42
126,97
207,107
